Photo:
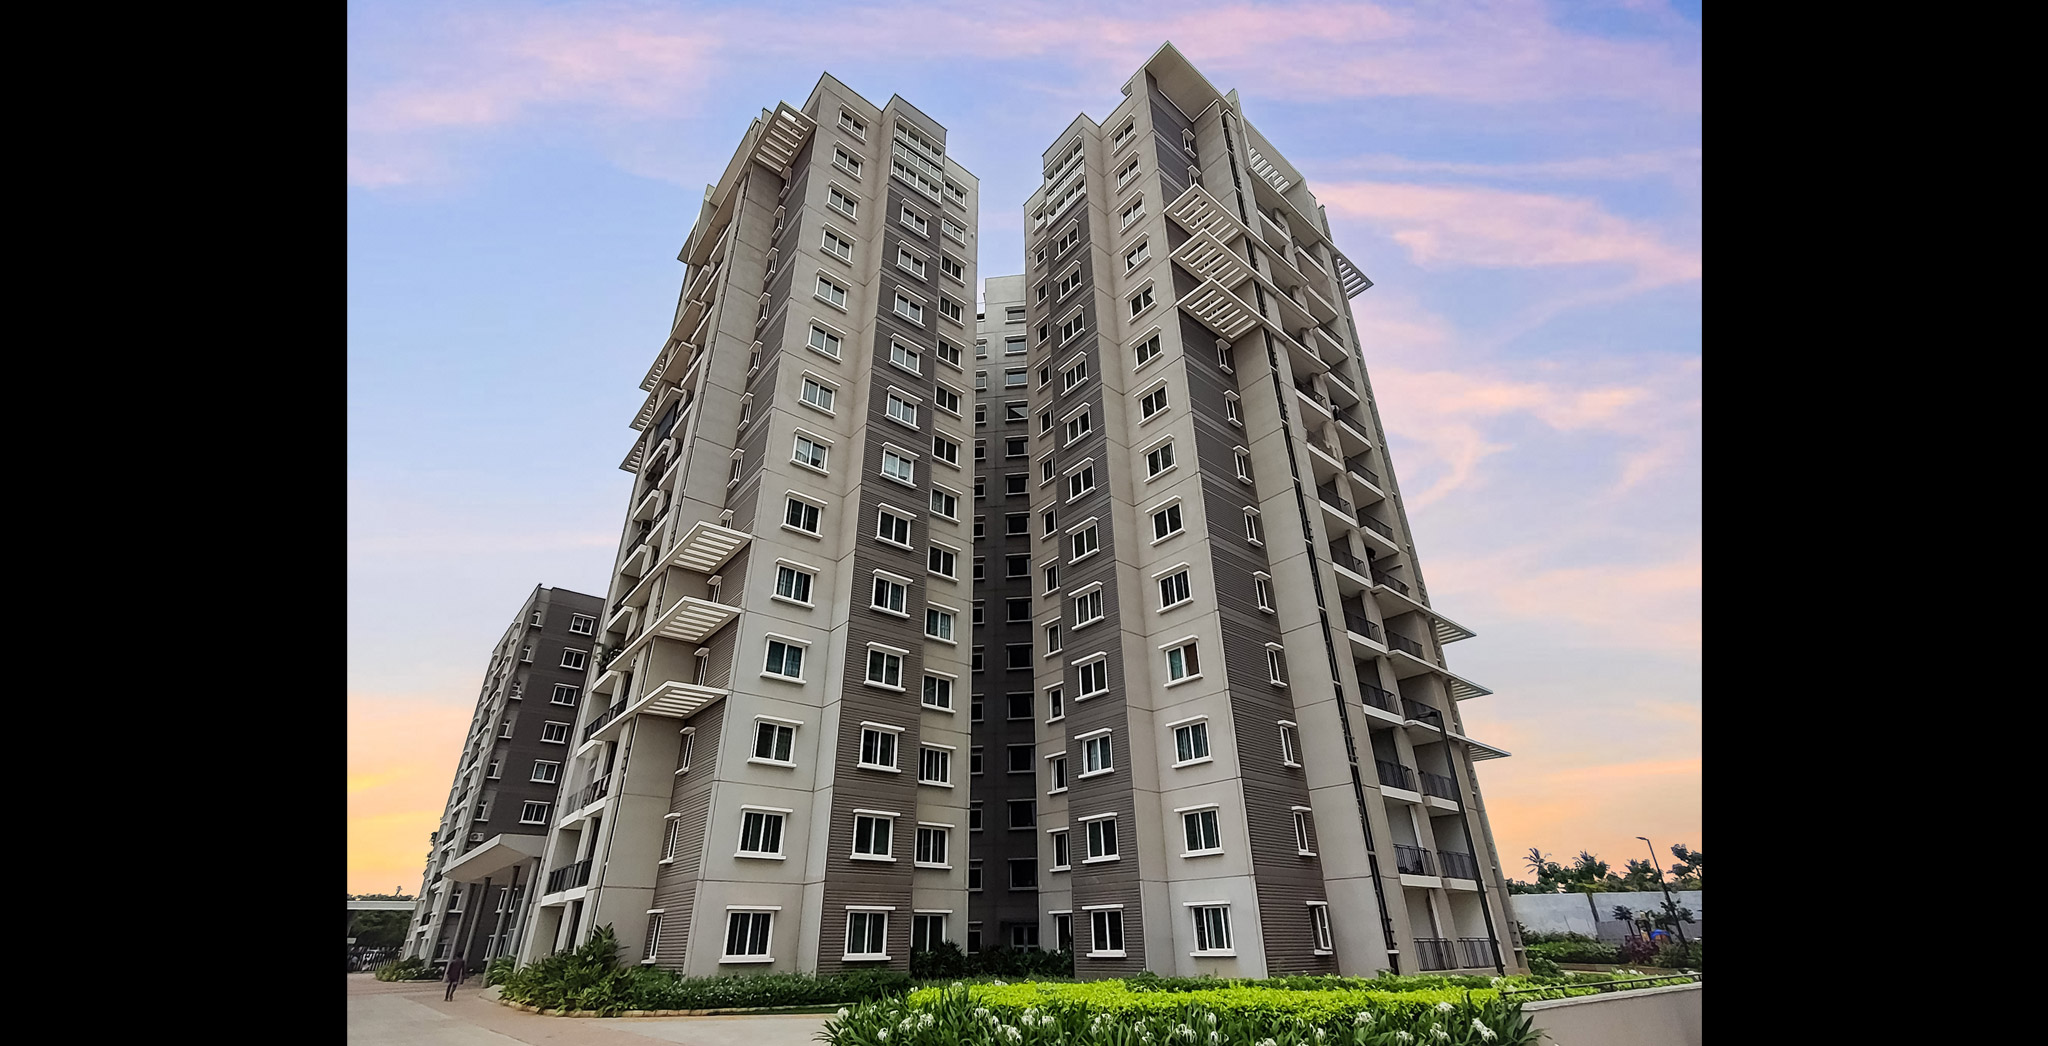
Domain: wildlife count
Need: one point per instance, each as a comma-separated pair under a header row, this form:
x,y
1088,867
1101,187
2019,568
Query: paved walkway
x,y
406,1013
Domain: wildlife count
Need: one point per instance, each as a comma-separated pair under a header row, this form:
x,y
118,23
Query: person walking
x,y
456,975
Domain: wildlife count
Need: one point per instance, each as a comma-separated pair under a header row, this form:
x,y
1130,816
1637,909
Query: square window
x,y
892,528
1191,742
1094,678
1141,300
1212,929
831,292
1086,542
890,595
1017,447
1018,707
897,467
801,515
938,624
938,693
1017,524
867,934
747,935
1019,565
1200,832
885,669
1023,813
1079,425
1166,522
871,835
945,503
773,742
945,450
1019,656
582,625
760,834
1152,403
1182,663
810,453
942,561
785,660
1158,460
1096,756
934,766
932,845
575,658
1023,876
1088,607
818,395
564,694
1081,482
904,356
1102,838
1173,589
902,411
1017,609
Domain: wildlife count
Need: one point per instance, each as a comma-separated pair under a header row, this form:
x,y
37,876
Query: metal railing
x,y
1459,866
1401,642
1356,621
1349,418
1474,952
604,719
569,876
1418,710
1356,463
1377,697
1343,558
1375,526
1413,860
1443,788
596,790
1332,498
1394,775
1433,953
1391,582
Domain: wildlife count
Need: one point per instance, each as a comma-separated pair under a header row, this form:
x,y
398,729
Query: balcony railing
x,y
1377,697
1343,558
1356,463
1474,952
1418,710
1413,860
1348,417
1394,775
1375,526
1356,621
604,718
569,876
597,790
1391,582
1435,953
1443,788
1332,498
1401,642
1460,866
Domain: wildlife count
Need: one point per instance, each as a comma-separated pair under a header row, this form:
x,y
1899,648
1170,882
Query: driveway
x,y
411,1013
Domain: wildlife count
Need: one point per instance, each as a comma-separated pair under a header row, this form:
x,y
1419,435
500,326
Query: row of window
x,y
581,624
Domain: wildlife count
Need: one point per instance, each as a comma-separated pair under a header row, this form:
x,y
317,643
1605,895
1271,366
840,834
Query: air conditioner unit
x,y
476,837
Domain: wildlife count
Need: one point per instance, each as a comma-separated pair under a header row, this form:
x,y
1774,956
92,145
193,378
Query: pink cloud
x,y
1452,226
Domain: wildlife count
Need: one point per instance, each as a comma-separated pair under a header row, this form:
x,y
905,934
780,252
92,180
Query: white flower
x,y
842,1013
1444,1007
1215,1039
1484,1031
1267,1042
882,1034
1365,1016
1212,1019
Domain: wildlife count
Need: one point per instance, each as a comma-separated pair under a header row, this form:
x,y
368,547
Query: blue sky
x,y
1522,181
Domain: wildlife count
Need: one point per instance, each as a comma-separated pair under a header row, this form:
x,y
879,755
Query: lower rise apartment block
x,y
485,855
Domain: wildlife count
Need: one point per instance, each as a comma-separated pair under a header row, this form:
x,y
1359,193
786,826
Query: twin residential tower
x,y
1088,619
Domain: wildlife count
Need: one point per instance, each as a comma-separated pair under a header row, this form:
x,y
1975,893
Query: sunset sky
x,y
1521,181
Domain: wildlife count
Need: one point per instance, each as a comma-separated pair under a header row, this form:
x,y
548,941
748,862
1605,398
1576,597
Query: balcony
x,y
1391,582
1465,953
1441,787
1423,713
707,546
1343,558
569,876
1394,775
1356,621
1375,697
1413,860
1458,866
604,719
1314,398
597,789
671,700
649,504
1378,533
1356,464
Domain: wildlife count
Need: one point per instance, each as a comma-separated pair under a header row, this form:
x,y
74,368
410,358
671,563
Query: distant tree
x,y
1686,873
1641,875
380,929
1550,876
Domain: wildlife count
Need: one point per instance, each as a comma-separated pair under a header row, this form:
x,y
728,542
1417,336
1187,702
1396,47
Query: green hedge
x,y
945,961
592,978
410,969
1108,1013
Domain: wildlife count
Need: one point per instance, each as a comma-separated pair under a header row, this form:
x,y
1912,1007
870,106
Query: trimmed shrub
x,y
946,961
591,978
1102,1013
409,969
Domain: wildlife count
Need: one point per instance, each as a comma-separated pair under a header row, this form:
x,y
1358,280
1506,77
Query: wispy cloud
x,y
605,63
1444,227
1676,164
1632,771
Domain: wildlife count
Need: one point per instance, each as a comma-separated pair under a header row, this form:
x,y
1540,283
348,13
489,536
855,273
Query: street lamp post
x,y
1451,758
1670,905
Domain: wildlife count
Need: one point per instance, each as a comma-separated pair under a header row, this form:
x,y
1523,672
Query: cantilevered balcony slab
x,y
1219,310
690,620
1396,601
670,700
636,563
1355,282
706,547
632,462
648,505
1406,665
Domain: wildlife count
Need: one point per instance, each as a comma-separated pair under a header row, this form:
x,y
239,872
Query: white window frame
x,y
793,496
1186,643
886,736
825,282
947,614
1290,743
1087,663
887,652
830,236
809,584
820,445
779,724
1171,506
944,832
1058,840
788,643
888,836
950,683
1319,925
1115,836
1195,813
908,519
944,753
867,916
1147,412
1161,578
1166,459
751,912
1103,740
908,405
1302,824
766,813
830,392
899,465
1191,724
1205,929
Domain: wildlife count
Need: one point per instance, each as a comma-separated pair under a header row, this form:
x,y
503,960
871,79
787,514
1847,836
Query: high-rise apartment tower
x,y
1249,754
772,774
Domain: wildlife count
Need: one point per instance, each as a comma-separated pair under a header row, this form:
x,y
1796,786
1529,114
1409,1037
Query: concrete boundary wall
x,y
1649,1017
1591,913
